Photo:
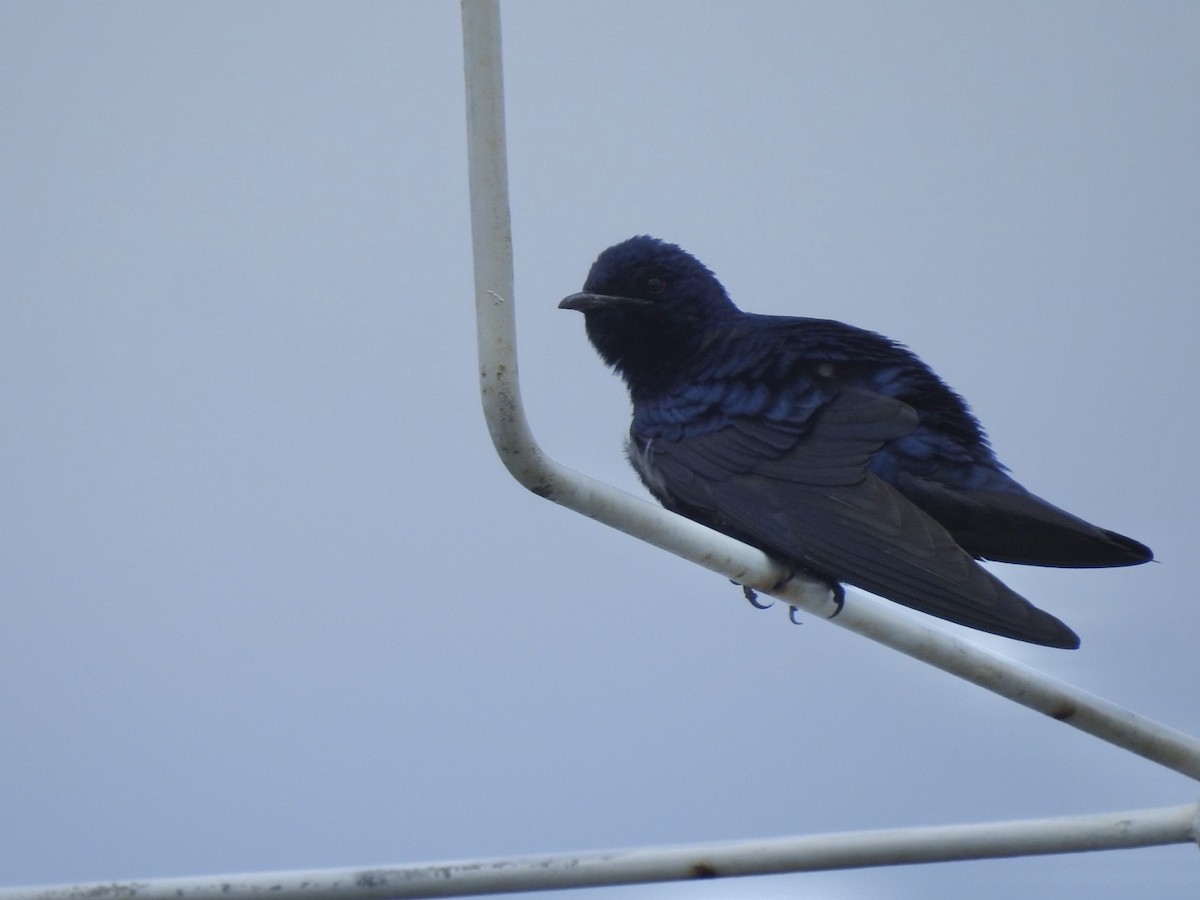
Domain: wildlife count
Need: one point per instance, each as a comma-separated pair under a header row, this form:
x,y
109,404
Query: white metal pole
x,y
491,235
1075,834
494,301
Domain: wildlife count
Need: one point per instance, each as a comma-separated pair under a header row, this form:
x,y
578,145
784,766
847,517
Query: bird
x,y
831,448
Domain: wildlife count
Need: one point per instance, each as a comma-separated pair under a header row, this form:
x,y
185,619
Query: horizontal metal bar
x,y
885,623
890,847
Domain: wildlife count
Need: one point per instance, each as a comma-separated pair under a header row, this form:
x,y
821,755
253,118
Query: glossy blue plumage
x,y
831,447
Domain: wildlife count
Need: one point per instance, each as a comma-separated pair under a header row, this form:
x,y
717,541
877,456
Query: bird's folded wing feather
x,y
802,492
1020,527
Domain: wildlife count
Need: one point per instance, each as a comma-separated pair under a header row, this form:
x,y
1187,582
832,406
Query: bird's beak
x,y
585,302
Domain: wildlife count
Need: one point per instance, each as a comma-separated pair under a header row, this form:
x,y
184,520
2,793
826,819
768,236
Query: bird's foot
x,y
788,574
839,595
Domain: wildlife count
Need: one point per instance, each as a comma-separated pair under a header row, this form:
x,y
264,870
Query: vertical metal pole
x,y
491,236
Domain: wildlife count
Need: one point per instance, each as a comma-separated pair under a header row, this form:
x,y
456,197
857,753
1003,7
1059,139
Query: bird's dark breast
x,y
649,347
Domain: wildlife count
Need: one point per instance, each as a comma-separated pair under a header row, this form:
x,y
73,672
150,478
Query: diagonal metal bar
x,y
849,850
492,239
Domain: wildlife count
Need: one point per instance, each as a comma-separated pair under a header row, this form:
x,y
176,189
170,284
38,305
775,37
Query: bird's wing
x,y
802,492
1019,527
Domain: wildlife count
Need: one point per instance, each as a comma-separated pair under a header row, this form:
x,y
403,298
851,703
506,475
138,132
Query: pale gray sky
x,y
270,601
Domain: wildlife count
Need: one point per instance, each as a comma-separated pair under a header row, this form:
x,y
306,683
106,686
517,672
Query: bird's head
x,y
649,305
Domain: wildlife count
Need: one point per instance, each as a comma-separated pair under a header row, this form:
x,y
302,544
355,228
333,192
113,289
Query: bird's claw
x,y
752,596
839,598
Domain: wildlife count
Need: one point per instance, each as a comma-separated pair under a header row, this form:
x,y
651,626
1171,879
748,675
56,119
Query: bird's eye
x,y
655,285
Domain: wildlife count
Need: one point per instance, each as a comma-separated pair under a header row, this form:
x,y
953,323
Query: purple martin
x,y
833,449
